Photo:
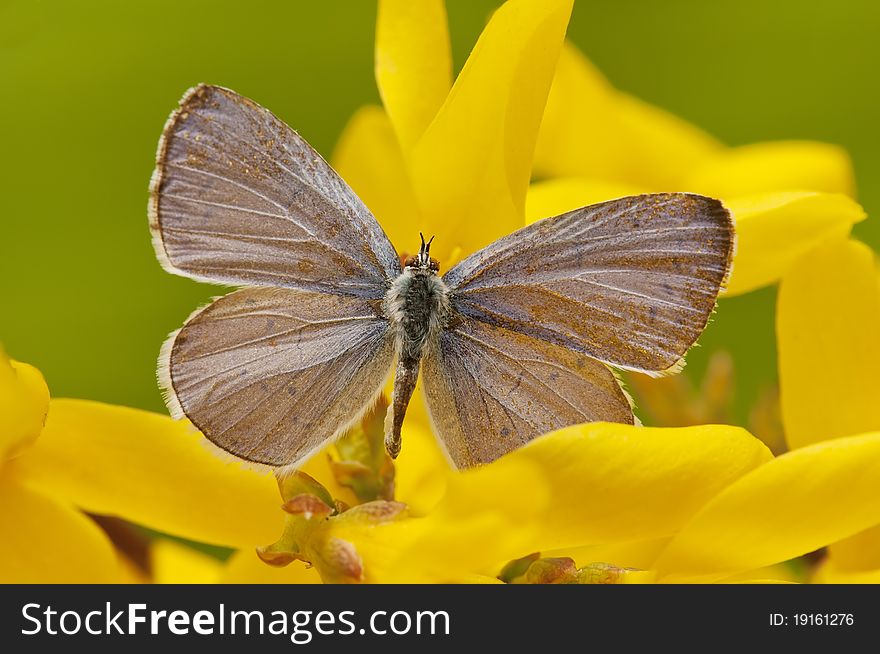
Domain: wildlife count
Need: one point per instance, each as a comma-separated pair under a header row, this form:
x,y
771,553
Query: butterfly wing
x,y
490,390
239,198
271,374
630,282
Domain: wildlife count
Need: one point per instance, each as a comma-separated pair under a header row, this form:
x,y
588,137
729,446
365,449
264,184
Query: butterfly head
x,y
423,260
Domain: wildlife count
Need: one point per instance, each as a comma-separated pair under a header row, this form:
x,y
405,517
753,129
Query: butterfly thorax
x,y
417,304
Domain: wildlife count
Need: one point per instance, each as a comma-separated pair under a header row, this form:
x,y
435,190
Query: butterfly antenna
x,y
425,250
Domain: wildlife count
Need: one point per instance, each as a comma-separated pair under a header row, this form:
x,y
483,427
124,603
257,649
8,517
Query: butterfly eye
x,y
435,265
410,262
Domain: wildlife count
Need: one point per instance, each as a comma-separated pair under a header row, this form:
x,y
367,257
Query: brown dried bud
x,y
560,570
377,512
602,573
340,563
532,569
517,568
275,558
307,506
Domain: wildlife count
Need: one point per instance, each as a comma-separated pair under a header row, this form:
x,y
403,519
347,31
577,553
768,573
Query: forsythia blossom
x,y
596,503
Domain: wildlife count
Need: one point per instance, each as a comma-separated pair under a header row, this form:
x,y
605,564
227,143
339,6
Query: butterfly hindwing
x,y
490,390
271,374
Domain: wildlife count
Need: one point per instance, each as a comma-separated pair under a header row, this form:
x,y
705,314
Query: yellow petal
x,y
421,468
557,196
479,579
858,553
777,573
775,229
792,505
174,563
574,138
829,354
369,159
775,166
596,483
829,573
24,401
45,541
471,167
244,567
639,577
610,482
413,63
466,534
592,130
152,470
828,305
770,580
657,147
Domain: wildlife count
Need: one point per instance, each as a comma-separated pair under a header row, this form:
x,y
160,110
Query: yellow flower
x,y
151,470
601,483
686,504
174,563
824,491
793,505
597,143
601,502
610,506
453,160
604,482
432,158
598,483
114,461
693,504
457,163
827,316
45,539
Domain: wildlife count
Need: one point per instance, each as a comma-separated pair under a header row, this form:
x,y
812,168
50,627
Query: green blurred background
x,y
88,85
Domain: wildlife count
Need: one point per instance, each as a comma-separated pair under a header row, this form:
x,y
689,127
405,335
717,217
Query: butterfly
x,y
514,341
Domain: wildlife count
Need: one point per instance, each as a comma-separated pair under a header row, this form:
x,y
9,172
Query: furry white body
x,y
417,305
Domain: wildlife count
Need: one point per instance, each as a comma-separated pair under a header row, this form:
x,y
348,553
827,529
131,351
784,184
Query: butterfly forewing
x,y
490,390
239,198
631,282
270,374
